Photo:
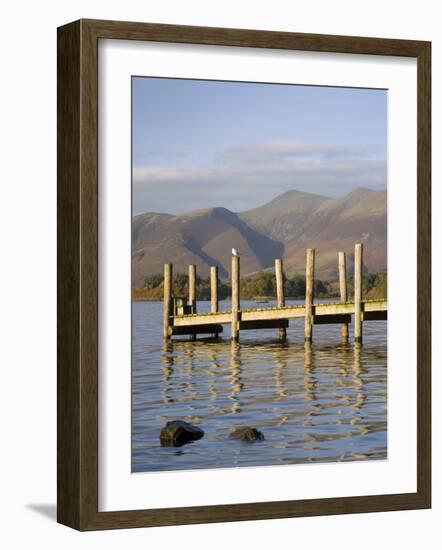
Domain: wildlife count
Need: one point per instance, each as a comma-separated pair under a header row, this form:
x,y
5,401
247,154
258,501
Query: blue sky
x,y
198,144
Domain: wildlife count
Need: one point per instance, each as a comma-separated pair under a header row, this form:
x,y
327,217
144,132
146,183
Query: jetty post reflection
x,y
235,380
167,359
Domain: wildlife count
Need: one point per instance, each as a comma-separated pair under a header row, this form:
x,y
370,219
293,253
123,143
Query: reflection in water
x,y
320,402
357,377
235,380
212,374
309,379
168,360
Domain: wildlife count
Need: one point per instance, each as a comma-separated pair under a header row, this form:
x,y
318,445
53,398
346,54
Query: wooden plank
x,y
375,305
203,319
273,313
253,325
196,329
334,308
332,319
288,312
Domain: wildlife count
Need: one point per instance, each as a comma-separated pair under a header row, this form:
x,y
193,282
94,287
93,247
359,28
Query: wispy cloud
x,y
296,150
245,176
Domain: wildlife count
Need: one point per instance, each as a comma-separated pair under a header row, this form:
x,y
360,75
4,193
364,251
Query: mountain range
x,y
282,228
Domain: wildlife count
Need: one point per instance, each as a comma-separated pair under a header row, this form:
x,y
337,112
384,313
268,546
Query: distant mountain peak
x,y
295,194
286,202
363,191
148,215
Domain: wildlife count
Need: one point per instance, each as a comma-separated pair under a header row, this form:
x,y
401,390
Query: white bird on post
x,y
235,252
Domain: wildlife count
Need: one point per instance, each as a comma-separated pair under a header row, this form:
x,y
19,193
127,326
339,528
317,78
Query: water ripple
x,y
321,403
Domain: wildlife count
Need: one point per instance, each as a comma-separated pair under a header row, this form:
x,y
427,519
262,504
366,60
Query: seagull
x,y
235,252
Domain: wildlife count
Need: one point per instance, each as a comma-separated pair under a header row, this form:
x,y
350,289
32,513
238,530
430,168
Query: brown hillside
x,y
204,237
284,227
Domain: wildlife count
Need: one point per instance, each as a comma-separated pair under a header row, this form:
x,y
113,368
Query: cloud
x,y
245,176
295,150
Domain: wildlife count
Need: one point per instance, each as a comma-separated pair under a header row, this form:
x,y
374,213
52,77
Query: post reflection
x,y
358,380
309,377
168,361
235,377
213,373
281,390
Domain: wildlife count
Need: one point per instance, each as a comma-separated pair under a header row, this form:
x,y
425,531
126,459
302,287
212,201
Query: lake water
x,y
321,403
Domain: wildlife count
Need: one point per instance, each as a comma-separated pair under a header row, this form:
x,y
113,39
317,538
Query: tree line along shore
x,y
260,286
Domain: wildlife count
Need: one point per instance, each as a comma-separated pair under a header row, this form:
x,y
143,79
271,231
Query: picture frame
x,y
78,292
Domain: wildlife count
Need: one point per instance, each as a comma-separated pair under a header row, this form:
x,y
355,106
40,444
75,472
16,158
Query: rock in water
x,y
177,433
247,433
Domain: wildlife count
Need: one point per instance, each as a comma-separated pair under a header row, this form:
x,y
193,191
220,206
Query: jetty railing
x,y
180,316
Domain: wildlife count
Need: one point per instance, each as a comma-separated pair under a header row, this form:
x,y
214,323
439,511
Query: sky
x,y
199,144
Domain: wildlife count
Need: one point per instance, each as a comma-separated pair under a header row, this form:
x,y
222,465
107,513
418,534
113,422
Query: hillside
x,y
284,227
360,216
204,237
286,216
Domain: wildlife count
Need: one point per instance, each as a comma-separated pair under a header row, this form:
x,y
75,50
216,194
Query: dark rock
x,y
247,433
177,433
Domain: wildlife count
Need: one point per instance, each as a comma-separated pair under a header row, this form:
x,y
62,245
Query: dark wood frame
x,y
78,269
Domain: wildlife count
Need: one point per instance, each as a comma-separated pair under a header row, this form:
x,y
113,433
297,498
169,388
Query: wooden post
x,y
192,287
309,284
358,292
280,298
192,292
167,299
235,297
213,289
343,289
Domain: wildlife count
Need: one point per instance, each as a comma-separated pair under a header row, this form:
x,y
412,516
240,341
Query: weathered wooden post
x,y
192,292
167,299
192,287
235,298
280,298
343,289
214,289
309,285
358,292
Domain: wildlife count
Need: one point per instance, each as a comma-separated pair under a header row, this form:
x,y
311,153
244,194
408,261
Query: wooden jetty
x,y
181,316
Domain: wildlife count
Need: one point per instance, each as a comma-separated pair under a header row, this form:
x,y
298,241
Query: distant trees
x,y
153,281
261,285
294,287
258,286
152,288
374,285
